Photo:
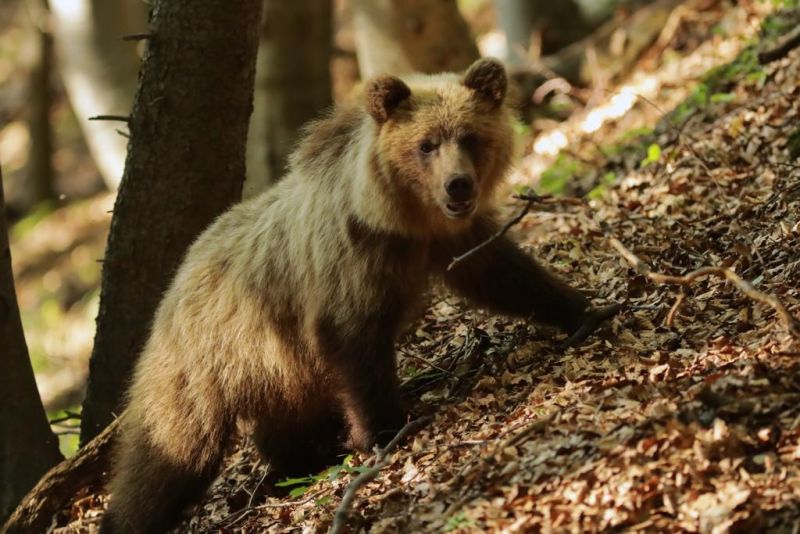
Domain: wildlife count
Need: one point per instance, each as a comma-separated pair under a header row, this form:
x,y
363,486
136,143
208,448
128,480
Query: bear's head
x,y
444,143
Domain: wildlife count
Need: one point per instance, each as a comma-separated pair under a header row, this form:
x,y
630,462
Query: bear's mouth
x,y
459,209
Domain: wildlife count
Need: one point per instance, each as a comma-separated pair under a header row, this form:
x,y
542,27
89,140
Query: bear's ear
x,y
384,94
487,77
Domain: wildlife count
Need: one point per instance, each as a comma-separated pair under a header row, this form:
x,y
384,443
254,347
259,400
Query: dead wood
x,y
791,323
59,485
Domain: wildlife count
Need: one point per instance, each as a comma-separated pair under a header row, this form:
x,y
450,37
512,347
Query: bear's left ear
x,y
487,77
384,94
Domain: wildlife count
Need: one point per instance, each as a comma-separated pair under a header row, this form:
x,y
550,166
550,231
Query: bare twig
x,y
69,416
258,486
120,118
380,461
427,362
673,311
531,198
497,235
791,323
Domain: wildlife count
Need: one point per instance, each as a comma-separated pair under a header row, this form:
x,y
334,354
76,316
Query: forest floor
x,y
683,413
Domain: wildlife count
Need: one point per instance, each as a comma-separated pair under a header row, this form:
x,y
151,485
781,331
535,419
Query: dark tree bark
x,y
28,447
185,166
293,84
58,487
402,36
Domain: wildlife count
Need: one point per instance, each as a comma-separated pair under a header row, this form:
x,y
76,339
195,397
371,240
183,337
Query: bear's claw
x,y
594,318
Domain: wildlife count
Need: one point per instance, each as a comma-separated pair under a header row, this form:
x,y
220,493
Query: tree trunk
x,y
28,447
59,486
517,21
402,36
293,84
185,166
559,24
99,71
615,45
40,166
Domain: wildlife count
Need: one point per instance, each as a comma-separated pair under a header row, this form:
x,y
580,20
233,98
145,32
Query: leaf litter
x,y
682,414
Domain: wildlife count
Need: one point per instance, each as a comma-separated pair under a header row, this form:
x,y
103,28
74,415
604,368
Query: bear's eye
x,y
470,141
428,147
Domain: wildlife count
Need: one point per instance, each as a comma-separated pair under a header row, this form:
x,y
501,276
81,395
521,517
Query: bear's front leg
x,y
370,396
505,279
364,373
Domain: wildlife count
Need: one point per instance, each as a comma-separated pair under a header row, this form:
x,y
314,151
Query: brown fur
x,y
285,311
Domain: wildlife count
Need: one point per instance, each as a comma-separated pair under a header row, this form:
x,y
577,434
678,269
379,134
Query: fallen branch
x,y
531,198
785,45
791,323
379,462
59,485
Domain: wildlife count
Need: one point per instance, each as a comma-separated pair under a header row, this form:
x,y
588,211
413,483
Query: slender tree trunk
x,y
99,70
40,166
28,447
559,23
517,21
402,36
293,84
185,166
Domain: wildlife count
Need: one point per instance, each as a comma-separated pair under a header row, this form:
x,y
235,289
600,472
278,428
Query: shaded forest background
x,y
614,97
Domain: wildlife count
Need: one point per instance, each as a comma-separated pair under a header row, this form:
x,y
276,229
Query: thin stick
x,y
258,486
500,233
380,461
427,362
69,416
120,118
530,198
674,310
791,323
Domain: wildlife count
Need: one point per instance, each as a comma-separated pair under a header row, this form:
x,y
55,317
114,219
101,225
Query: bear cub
x,y
285,311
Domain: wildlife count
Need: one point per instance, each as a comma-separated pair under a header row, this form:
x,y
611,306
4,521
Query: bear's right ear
x,y
384,94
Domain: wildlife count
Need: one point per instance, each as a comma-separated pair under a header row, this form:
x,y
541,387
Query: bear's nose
x,y
460,187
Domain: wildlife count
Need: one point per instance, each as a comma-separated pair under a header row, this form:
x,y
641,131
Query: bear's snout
x,y
460,199
460,187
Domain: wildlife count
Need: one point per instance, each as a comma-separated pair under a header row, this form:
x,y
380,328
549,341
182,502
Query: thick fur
x,y
285,310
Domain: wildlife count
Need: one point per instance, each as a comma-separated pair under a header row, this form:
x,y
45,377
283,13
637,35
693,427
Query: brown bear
x,y
285,311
